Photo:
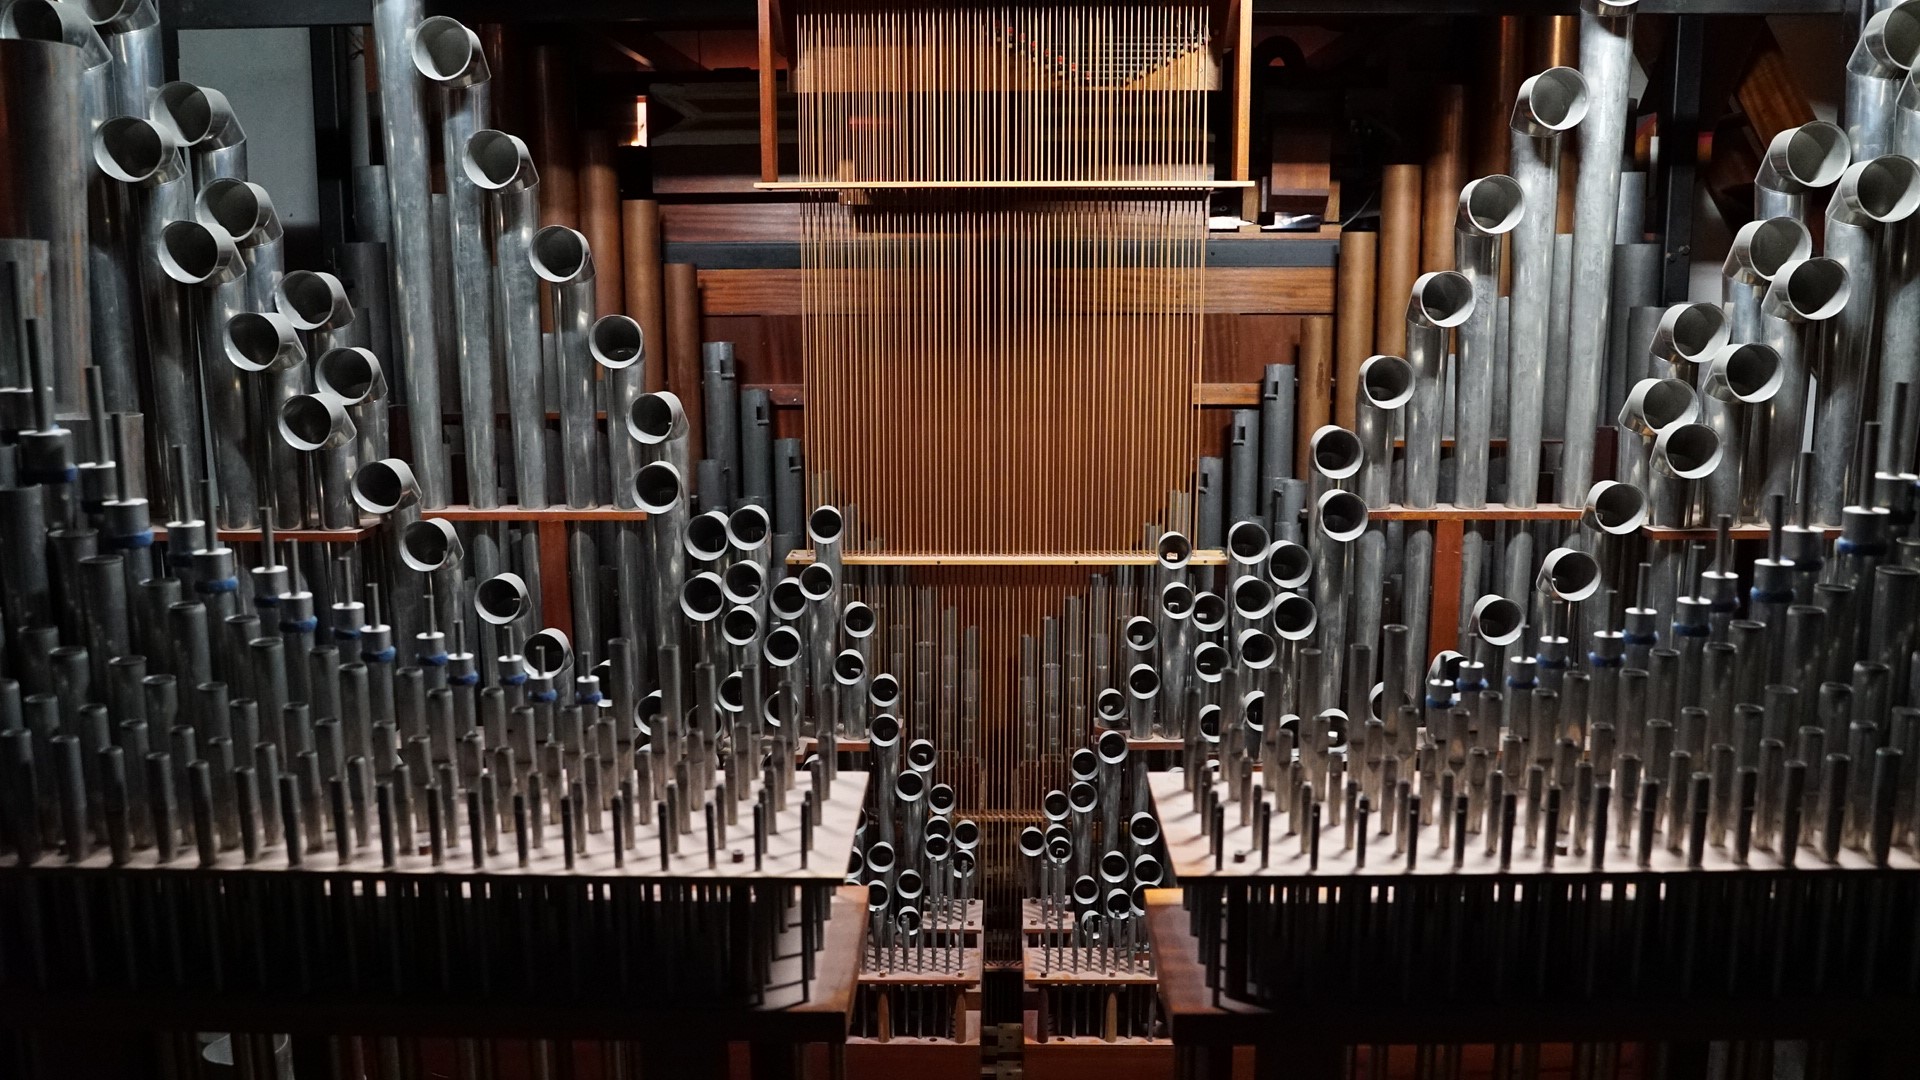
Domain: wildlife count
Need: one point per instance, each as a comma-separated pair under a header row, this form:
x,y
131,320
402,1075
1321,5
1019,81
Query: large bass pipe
x,y
1547,106
1887,47
403,132
1899,345
1870,196
1741,380
1606,61
502,166
448,54
1489,209
1801,302
1439,302
561,257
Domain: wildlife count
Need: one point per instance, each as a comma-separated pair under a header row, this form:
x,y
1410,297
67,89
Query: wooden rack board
x,y
999,185
803,556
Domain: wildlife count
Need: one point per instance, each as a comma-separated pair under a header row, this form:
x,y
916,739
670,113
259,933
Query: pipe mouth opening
x,y
654,417
1113,867
966,833
191,253
1660,403
1289,564
1084,763
1776,242
1143,681
1033,842
747,528
880,860
616,342
1247,541
381,487
788,600
236,206
111,12
257,342
1173,550
1443,298
546,654
1749,372
443,48
744,582
1143,829
940,800
1256,647
1387,381
351,374
732,692
1082,797
1570,574
883,691
1496,620
1209,612
706,537
1899,37
428,544
1112,747
560,255
1337,453
1343,515
1056,805
1887,188
313,300
1294,617
1493,204
1252,597
1110,707
657,488
1617,508
1687,451
782,646
1146,868
182,106
131,149
824,525
1814,154
497,161
858,620
501,599
849,667
1815,288
1176,600
817,582
740,626
702,597
308,421
1140,633
1696,330
1557,98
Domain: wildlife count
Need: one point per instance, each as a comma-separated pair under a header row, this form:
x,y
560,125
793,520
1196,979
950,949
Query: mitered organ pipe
x,y
619,349
1651,407
1386,385
1741,380
202,120
1886,49
500,165
1800,304
1489,209
1681,454
1440,301
1340,517
205,261
354,376
561,258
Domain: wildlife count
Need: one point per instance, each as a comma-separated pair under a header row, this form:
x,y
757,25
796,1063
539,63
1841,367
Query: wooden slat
x,y
517,513
1241,394
1229,290
1001,185
1209,557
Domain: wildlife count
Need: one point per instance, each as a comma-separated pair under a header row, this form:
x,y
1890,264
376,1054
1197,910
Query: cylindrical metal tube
x,y
44,192
1887,47
502,166
1386,385
1741,379
1340,517
721,420
1799,307
1439,302
1798,160
1490,208
561,258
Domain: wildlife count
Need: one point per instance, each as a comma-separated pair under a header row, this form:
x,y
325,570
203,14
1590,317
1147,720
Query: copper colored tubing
x,y
1503,68
600,220
1399,247
1446,170
1353,304
683,344
553,149
645,300
1315,371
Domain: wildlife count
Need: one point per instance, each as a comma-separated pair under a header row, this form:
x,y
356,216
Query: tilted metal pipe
x,y
1870,196
660,489
1340,517
318,424
1758,252
131,31
619,347
1799,160
1489,209
1386,385
1547,105
205,259
500,165
658,422
403,133
354,375
202,120
1439,302
1682,453
562,259
1606,62
1688,336
1651,407
1740,380
1335,456
448,55
1797,314
1886,49
1609,520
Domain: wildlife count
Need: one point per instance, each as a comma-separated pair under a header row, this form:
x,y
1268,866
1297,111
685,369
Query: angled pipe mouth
x,y
135,150
849,667
1033,842
616,342
733,692
1336,452
702,597
1569,574
1110,706
658,489
1143,829
706,537
257,342
1112,747
781,648
243,209
1342,516
1252,597
1552,102
191,253
966,834
350,373
1690,333
547,653
1082,797
880,861
502,599
315,422
1686,452
1289,564
1615,508
1490,206
445,51
825,525
313,300
1146,868
1805,158
430,544
1143,682
1173,550
1880,191
1496,620
1748,373
121,16
1210,661
381,487
561,256
1256,647
1387,382
1176,600
744,582
1247,542
858,621
1083,762
1808,290
61,23
499,162
1761,248
656,418
817,582
196,116
1294,617
1208,721
1440,299
1209,611
788,600
1139,634
748,527
1114,867
1889,43
740,626
1656,404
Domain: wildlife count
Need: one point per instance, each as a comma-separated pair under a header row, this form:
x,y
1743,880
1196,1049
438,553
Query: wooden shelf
x,y
998,185
803,556
1738,532
551,513
1489,512
317,536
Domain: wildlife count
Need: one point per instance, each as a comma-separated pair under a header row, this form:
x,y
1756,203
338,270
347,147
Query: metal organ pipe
x,y
561,258
1801,303
1440,301
1489,209
1886,49
500,165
